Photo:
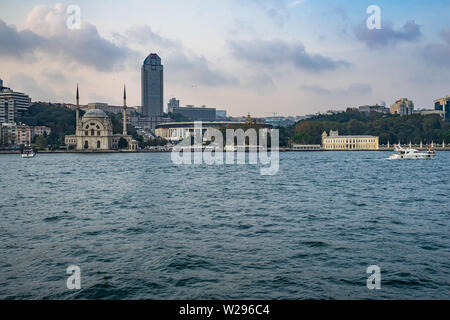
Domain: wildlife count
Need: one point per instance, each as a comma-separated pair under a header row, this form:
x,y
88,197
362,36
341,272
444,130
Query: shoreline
x,y
167,151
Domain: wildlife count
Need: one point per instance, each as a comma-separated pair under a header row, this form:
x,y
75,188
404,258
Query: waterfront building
x,y
8,134
12,104
24,134
306,147
195,114
177,131
443,105
336,142
403,107
94,130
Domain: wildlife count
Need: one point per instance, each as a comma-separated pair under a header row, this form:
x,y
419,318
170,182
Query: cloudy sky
x,y
286,57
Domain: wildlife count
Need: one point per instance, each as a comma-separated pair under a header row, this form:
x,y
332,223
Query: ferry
x,y
28,152
411,154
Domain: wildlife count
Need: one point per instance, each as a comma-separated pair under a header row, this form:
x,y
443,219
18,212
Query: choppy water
x,y
140,227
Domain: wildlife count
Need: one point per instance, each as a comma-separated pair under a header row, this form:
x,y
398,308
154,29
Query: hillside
x,y
392,128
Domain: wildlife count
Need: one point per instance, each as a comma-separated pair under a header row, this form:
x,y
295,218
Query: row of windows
x,y
86,132
349,140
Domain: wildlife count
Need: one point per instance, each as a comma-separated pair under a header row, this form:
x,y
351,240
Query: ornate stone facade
x,y
94,131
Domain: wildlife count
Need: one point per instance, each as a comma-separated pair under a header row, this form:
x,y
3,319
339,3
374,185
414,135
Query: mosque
x,y
94,131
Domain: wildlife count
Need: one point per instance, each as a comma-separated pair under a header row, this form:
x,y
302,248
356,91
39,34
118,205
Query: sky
x,y
264,57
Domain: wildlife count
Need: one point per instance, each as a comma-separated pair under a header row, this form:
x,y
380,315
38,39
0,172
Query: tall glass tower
x,y
152,86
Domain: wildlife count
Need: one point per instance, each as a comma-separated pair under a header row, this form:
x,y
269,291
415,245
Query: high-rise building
x,y
152,88
403,107
12,104
443,105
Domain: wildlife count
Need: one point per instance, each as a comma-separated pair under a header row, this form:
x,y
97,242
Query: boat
x,y
411,154
28,152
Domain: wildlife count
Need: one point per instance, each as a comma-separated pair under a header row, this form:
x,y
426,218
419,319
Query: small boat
x,y
411,154
28,152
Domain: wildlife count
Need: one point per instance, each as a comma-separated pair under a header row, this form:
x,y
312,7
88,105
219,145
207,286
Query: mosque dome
x,y
95,113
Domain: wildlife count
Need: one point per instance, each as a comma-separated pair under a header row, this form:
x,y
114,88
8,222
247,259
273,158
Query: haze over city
x,y
260,56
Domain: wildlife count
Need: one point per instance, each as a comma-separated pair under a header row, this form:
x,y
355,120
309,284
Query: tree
x,y
41,142
123,143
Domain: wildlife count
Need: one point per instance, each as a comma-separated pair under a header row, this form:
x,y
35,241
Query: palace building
x,y
336,142
94,131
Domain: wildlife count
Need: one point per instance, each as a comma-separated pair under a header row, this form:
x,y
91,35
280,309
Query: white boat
x,y
28,152
411,154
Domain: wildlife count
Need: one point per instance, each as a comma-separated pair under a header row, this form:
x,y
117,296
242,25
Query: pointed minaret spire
x,y
124,110
77,110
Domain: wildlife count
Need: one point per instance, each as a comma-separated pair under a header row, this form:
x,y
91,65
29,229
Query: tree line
x,y
390,128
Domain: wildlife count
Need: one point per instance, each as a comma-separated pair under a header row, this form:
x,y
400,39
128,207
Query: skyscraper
x,y
152,87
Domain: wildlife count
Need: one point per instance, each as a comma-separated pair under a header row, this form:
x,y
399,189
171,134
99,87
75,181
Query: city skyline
x,y
262,57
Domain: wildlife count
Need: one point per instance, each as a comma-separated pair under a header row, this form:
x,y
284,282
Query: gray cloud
x,y
196,69
17,43
34,88
276,52
144,34
356,88
84,46
438,53
387,35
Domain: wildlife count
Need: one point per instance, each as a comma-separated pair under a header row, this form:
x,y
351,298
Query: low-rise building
x,y
306,147
41,131
177,131
426,112
194,113
376,108
336,142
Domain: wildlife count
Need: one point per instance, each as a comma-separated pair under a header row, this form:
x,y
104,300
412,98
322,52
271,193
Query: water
x,y
140,227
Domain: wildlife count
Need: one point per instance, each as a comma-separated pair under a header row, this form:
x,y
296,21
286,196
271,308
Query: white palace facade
x,y
94,131
336,142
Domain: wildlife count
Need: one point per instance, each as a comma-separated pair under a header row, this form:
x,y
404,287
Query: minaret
x,y
124,111
77,110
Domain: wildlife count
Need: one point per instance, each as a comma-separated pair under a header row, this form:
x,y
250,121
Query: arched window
x,y
86,144
92,132
98,133
98,144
